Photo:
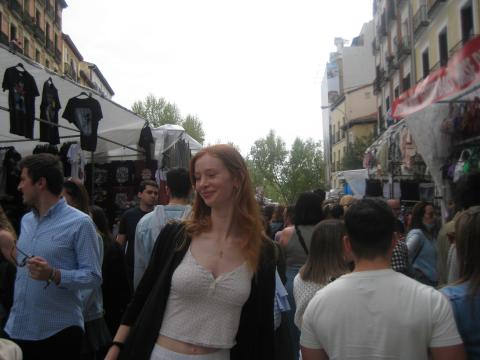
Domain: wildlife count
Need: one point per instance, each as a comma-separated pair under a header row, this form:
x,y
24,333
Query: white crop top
x,y
202,310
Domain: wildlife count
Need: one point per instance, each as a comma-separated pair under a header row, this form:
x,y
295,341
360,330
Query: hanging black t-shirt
x,y
85,114
22,91
49,112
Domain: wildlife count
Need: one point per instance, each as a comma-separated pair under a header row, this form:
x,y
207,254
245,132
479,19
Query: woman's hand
x,y
113,353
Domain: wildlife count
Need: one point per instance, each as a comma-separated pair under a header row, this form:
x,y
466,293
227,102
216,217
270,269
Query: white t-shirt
x,y
378,314
303,292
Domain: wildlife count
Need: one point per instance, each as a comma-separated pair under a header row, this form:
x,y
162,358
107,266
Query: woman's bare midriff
x,y
183,347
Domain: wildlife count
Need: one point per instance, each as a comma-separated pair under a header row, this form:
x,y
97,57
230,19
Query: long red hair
x,y
246,211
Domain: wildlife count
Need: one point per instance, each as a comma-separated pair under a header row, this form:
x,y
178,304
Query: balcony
x,y
420,18
58,22
58,56
29,21
17,8
3,38
49,47
382,27
391,10
433,4
392,64
40,2
403,48
69,71
375,46
455,48
49,9
39,34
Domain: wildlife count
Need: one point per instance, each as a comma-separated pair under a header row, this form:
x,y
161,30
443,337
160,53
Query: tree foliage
x,y
285,173
158,111
353,158
193,127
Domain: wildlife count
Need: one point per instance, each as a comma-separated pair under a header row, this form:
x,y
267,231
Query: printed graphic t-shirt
x,y
22,91
49,112
85,114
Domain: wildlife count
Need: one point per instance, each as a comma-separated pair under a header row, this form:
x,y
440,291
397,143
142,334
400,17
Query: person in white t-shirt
x,y
375,312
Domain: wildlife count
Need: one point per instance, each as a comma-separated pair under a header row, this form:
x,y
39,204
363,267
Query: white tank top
x,y
202,310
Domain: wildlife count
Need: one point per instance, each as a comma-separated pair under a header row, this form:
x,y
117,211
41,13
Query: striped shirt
x,y
67,240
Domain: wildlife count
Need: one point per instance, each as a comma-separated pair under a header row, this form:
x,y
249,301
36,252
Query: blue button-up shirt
x,y
67,240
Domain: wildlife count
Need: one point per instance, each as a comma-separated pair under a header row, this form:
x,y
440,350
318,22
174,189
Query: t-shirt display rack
x,y
92,153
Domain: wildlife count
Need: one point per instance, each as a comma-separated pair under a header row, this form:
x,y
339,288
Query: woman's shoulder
x,y
285,235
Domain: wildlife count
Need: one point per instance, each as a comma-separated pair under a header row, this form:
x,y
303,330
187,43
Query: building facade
x,y
34,28
413,38
350,114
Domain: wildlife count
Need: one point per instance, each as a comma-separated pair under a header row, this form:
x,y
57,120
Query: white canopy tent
x,y
119,125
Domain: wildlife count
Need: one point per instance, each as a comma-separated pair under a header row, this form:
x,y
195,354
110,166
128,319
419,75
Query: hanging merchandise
x,y
146,141
22,91
77,162
85,113
49,112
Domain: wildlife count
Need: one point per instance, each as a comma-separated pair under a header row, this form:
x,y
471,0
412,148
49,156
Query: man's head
x,y
394,204
370,225
147,194
178,183
41,174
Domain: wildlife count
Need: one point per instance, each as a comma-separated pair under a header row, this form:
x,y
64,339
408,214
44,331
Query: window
x,y
396,91
26,45
56,41
443,47
466,17
13,32
425,63
47,63
38,17
406,83
387,103
47,31
37,55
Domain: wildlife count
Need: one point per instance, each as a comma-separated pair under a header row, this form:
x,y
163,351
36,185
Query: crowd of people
x,y
214,275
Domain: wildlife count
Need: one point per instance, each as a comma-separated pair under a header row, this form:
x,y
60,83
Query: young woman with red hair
x,y
208,291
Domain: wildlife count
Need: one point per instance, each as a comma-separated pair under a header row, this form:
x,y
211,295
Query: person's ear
x,y
41,183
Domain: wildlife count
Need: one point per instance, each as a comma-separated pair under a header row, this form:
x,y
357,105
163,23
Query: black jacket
x,y
255,337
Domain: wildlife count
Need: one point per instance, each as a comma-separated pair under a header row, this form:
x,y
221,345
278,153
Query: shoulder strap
x,y
300,238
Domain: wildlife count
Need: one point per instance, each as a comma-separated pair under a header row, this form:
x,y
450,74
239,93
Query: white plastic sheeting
x,y
356,181
118,124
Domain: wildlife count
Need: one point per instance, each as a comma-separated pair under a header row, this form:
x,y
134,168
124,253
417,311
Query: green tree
x,y
193,127
282,173
353,158
157,111
304,170
268,156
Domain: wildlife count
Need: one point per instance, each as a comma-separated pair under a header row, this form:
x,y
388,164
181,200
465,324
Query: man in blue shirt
x,y
148,228
57,255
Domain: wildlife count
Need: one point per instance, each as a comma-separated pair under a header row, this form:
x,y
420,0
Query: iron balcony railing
x,y
49,9
39,33
432,4
58,56
420,18
16,8
403,48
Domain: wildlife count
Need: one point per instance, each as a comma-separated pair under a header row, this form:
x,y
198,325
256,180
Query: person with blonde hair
x,y
325,263
464,295
208,291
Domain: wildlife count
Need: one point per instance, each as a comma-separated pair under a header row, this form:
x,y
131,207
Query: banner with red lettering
x,y
461,72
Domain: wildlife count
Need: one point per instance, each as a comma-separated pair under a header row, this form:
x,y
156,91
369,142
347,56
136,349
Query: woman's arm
x,y
120,337
414,242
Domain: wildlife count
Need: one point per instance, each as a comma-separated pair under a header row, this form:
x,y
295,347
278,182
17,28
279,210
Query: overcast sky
x,y
243,67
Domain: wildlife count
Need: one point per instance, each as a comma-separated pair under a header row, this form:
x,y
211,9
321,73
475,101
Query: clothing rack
x,y
75,130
